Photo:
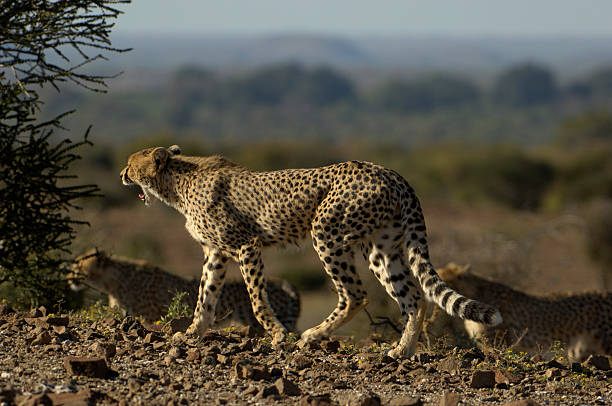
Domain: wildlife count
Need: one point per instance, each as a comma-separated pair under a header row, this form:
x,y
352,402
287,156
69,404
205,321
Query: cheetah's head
x,y
88,270
144,167
452,271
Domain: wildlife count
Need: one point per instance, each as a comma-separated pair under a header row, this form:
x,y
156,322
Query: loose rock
x,y
286,387
87,366
600,362
482,379
450,399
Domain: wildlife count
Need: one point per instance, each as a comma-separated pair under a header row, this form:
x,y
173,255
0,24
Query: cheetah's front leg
x,y
251,267
213,274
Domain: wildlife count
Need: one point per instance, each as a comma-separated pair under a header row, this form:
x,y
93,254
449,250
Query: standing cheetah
x,y
143,289
234,213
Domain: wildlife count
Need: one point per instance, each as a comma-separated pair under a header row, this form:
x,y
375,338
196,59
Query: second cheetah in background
x,y
140,288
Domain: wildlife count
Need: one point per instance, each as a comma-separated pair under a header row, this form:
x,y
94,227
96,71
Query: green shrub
x,y
177,308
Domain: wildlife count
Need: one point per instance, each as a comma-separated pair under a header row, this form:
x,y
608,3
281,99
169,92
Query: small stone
x,y
301,362
251,391
416,373
522,402
134,385
450,399
5,309
600,362
176,352
40,399
506,377
158,345
423,357
248,331
330,346
82,397
52,348
177,325
482,379
39,322
450,364
58,321
88,366
42,339
109,322
316,400
254,372
552,373
364,399
406,400
554,364
474,354
106,350
178,338
286,387
193,354
128,323
60,329
222,359
152,337
311,346
577,367
247,345
266,391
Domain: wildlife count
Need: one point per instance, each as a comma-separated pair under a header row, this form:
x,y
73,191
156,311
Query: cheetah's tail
x,y
440,293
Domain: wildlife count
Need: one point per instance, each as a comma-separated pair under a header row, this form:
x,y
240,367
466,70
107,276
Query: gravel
x,y
68,359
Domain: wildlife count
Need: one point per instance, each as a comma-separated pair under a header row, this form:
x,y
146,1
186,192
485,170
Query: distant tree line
x,y
292,85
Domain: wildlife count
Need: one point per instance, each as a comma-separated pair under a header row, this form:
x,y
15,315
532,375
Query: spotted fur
x,y
581,321
234,213
140,288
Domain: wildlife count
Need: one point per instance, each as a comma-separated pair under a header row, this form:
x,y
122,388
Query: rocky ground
x,y
48,359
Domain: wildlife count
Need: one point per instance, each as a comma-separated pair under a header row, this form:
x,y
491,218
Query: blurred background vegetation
x,y
514,173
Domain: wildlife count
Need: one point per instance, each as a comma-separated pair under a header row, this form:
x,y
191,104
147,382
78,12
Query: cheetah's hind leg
x,y
339,265
384,254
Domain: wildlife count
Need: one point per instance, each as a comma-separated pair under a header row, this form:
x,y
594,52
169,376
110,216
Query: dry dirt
x,y
48,359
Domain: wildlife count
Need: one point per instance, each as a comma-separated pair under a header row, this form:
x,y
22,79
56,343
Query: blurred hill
x,y
569,56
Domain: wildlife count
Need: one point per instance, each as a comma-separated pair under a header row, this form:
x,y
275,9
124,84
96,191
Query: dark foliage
x,y
507,176
525,85
426,94
36,229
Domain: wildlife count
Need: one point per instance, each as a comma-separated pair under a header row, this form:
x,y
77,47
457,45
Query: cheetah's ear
x,y
160,156
174,150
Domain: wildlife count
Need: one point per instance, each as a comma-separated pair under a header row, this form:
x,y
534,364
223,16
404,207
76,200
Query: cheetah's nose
x,y
124,177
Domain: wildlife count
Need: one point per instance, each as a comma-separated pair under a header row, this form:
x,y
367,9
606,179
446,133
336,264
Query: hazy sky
x,y
550,18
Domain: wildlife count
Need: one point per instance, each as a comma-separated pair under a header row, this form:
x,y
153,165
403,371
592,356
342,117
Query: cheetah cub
x,y
140,288
348,207
582,321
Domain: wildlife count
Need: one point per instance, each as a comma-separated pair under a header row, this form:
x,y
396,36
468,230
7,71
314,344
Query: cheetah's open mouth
x,y
145,196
